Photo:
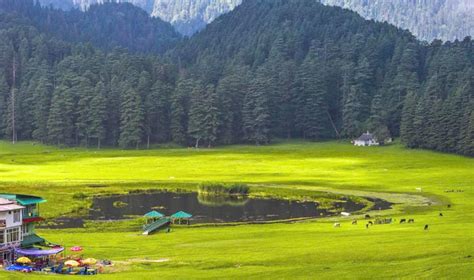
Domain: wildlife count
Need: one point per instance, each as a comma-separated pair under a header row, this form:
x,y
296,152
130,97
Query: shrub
x,y
223,189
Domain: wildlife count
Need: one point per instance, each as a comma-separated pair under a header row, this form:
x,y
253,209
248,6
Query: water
x,y
207,209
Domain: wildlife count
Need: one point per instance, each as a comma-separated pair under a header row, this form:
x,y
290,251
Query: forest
x,y
267,70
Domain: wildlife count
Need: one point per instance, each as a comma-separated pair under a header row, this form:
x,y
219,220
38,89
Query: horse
x,y
411,221
403,221
441,214
371,223
367,226
367,216
354,222
337,225
427,227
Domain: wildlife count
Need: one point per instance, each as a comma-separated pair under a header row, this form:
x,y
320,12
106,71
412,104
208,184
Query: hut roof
x,y
154,214
181,215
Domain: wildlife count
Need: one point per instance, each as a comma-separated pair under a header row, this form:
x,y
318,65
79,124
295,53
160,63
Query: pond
x,y
209,209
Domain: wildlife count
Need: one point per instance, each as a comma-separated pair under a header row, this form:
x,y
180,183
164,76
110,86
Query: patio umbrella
x,y
23,260
76,249
89,261
71,263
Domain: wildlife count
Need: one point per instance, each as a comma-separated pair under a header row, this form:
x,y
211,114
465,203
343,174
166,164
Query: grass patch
x,y
294,170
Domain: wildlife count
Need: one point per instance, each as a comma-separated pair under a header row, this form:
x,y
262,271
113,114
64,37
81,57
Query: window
x,y
2,236
13,235
24,229
16,216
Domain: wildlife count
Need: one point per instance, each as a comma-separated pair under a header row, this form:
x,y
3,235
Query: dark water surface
x,y
205,209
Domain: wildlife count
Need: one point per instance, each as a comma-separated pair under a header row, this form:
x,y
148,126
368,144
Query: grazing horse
x,y
371,223
337,225
427,227
403,221
411,221
367,216
441,214
354,222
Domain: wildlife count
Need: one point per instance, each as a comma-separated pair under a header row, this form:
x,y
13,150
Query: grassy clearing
x,y
68,177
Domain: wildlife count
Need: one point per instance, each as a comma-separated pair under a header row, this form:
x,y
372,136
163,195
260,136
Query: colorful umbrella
x,y
76,249
72,263
23,260
89,261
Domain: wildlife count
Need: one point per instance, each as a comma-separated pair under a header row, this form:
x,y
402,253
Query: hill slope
x,y
428,20
105,26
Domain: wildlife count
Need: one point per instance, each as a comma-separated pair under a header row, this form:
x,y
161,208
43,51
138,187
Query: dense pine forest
x,y
269,69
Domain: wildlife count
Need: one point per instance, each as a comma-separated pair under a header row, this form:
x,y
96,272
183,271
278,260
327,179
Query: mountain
x,y
187,16
426,19
106,26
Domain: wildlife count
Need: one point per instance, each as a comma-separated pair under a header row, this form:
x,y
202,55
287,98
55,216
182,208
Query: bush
x,y
223,189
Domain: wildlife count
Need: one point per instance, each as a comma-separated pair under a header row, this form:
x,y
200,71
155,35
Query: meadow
x,y
307,249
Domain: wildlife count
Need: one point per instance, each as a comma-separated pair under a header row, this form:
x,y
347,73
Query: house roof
x,y
8,205
23,199
366,137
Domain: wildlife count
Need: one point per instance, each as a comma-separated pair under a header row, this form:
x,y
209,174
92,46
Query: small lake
x,y
208,209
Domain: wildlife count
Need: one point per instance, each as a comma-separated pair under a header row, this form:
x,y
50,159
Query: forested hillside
x,y
287,69
105,26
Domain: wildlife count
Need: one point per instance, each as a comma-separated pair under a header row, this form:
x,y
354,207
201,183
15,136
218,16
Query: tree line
x,y
270,69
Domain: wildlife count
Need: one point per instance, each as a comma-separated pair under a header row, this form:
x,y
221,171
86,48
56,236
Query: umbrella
x,y
71,263
76,249
89,261
23,260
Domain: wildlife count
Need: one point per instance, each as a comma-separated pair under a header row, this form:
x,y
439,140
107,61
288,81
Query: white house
x,y
366,139
11,221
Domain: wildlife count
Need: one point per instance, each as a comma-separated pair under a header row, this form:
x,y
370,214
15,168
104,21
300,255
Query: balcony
x,y
30,214
3,224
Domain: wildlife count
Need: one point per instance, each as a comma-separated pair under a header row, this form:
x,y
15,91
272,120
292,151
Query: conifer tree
x,y
131,119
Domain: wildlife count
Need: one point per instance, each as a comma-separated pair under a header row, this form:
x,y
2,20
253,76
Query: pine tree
x,y
408,131
179,111
98,116
3,104
60,123
313,90
197,113
256,116
42,96
131,119
86,93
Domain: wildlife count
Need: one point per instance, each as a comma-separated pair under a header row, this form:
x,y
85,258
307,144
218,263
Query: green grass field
x,y
310,249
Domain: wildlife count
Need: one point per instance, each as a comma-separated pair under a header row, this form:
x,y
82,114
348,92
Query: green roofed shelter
x,y
154,215
181,216
23,200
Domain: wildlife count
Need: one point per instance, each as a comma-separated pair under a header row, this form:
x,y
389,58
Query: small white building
x,y
366,139
11,236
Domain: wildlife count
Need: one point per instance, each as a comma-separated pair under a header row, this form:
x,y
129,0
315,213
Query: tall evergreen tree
x,y
131,119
